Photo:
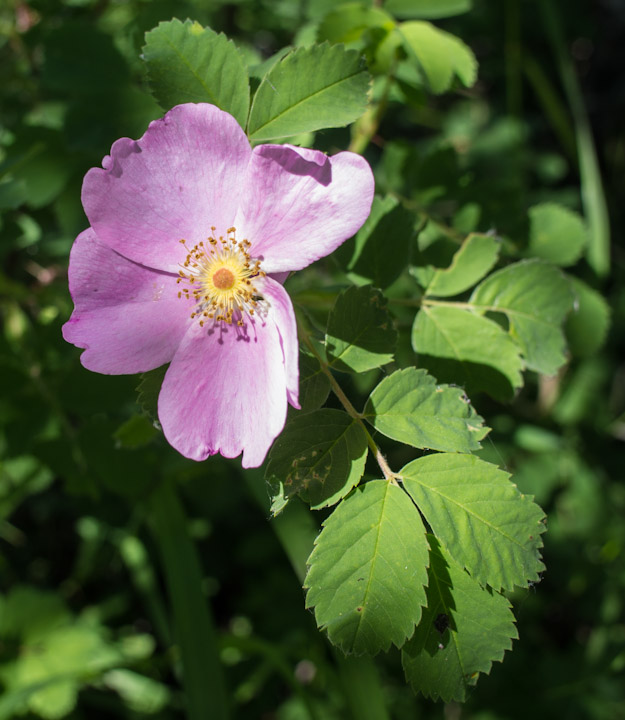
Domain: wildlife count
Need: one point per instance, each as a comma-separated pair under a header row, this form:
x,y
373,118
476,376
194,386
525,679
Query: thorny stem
x,y
351,410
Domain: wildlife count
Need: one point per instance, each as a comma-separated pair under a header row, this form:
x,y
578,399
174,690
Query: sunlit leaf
x,y
464,629
368,569
477,255
189,63
410,407
536,298
311,88
441,56
479,516
481,355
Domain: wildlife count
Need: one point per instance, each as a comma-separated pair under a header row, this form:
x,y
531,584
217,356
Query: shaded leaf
x,y
427,9
557,234
349,21
483,356
474,259
314,385
319,456
381,248
536,298
368,569
587,326
312,88
464,629
360,334
479,516
148,389
410,407
136,432
189,63
440,55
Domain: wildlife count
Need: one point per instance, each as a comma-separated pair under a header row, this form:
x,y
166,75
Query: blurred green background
x,y
93,503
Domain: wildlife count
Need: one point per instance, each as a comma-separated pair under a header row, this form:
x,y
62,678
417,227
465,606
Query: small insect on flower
x,y
191,235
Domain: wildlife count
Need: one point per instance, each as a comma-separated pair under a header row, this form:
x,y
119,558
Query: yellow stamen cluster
x,y
220,277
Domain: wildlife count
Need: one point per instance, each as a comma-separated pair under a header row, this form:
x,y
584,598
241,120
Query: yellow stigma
x,y
220,277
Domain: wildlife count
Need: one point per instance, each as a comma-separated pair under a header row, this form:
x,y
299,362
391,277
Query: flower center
x,y
223,279
219,276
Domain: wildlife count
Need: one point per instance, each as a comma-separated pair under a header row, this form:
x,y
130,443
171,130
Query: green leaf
x,y
136,432
410,407
557,234
348,22
312,88
189,63
475,351
314,385
368,570
427,9
319,456
39,164
360,334
536,298
148,389
587,326
381,248
477,255
440,55
479,516
463,631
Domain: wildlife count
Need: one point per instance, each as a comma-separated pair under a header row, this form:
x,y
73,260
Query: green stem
x,y
192,622
345,402
593,196
367,126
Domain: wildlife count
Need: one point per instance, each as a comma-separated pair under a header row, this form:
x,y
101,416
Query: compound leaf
x,y
464,629
320,456
360,334
189,63
381,248
475,351
410,407
368,569
314,385
479,516
536,298
473,260
315,87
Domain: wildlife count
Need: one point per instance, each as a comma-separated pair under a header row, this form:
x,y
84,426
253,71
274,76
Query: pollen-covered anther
x,y
221,276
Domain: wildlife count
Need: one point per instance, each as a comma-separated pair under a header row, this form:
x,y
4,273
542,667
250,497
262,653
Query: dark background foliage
x,y
78,460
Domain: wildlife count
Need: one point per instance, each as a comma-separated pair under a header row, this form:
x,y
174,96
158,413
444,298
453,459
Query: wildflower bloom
x,y
191,235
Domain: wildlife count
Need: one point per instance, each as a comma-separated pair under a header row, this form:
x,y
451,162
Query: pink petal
x,y
299,205
127,317
284,318
182,177
226,389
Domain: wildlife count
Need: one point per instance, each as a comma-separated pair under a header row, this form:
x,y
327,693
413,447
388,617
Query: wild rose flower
x,y
192,233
